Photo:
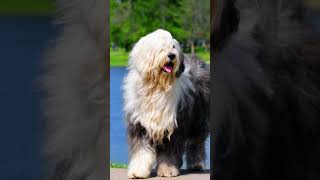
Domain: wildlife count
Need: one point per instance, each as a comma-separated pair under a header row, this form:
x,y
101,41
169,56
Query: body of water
x,y
118,141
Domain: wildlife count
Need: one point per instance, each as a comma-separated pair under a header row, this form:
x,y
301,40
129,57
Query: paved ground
x,y
121,174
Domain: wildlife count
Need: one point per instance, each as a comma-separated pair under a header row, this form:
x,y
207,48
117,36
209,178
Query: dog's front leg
x,y
142,156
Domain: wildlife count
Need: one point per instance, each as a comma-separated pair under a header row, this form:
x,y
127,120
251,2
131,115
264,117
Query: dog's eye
x,y
173,46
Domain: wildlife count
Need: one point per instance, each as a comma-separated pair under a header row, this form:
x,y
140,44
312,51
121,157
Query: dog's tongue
x,y
168,69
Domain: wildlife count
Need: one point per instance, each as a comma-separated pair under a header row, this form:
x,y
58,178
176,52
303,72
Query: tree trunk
x,y
192,47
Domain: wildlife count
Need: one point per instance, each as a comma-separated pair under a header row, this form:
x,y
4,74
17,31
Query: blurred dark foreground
x,y
22,43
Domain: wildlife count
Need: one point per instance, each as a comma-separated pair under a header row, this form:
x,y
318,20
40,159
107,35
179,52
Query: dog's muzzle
x,y
171,57
168,67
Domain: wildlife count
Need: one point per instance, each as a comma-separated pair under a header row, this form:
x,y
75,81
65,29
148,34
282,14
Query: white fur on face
x,y
154,108
151,51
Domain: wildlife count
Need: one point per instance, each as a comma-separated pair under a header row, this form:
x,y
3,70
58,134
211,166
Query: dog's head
x,y
158,59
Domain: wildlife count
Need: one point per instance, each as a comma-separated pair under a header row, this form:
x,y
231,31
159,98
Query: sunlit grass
x,y
118,165
205,56
119,57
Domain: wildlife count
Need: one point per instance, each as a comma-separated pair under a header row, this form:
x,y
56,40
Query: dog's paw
x,y
139,169
138,173
199,166
165,170
140,164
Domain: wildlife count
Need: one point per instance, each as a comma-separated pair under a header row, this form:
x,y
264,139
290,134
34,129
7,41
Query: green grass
x,y
26,7
205,56
119,58
118,165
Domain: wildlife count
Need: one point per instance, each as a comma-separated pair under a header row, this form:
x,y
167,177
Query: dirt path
x,y
121,174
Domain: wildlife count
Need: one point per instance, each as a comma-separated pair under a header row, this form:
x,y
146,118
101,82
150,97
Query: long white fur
x,y
147,55
141,163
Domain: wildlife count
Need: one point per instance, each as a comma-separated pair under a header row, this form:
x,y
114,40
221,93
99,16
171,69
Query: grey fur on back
x,y
192,119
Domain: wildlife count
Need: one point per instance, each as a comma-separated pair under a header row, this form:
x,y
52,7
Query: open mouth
x,y
168,67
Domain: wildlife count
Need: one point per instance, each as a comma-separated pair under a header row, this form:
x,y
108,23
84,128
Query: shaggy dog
x,y
75,85
166,105
266,120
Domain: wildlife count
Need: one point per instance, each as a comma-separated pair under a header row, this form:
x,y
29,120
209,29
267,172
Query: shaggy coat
x,y
266,91
75,87
166,113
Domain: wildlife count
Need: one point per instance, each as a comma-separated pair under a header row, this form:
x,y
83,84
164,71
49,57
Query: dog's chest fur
x,y
156,110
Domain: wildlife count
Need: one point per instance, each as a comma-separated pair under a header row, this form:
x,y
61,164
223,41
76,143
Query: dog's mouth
x,y
168,67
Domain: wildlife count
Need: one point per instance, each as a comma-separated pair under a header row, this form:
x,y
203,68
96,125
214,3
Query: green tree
x,y
197,21
132,19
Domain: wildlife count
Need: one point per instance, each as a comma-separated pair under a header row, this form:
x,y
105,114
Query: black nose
x,y
171,56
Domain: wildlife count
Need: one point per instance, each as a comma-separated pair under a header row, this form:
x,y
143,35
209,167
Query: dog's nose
x,y
171,56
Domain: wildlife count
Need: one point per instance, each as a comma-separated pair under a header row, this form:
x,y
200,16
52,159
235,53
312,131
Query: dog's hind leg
x,y
195,154
169,160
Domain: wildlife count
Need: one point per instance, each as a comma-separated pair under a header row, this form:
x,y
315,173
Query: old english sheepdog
x,y
166,105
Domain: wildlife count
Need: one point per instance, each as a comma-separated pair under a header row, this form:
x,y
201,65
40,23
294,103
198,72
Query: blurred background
x,y
187,20
189,23
25,31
